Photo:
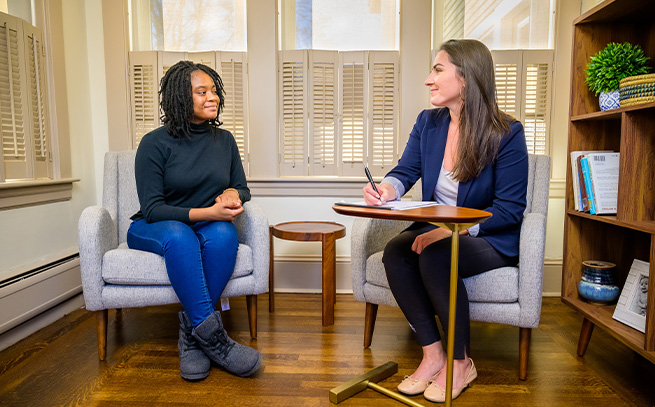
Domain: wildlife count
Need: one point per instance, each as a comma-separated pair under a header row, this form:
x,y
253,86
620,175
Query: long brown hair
x,y
481,123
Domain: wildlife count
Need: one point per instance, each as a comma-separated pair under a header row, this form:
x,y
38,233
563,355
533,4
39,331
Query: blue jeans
x,y
199,259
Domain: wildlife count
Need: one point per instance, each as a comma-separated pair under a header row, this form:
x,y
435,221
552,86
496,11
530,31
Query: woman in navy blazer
x,y
468,153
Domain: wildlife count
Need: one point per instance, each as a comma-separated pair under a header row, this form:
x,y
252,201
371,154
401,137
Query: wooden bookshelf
x,y
630,234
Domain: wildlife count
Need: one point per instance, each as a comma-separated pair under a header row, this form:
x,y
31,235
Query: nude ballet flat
x,y
412,387
436,393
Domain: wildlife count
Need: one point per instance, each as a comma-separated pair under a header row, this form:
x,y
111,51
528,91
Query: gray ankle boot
x,y
194,364
235,358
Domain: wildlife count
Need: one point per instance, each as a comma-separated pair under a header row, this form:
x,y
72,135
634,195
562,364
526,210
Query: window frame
x,y
16,193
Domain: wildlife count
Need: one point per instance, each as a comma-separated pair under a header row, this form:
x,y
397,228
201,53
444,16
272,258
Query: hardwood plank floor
x,y
59,366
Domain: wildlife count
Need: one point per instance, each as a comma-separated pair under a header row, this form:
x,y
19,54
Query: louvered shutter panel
x,y
383,111
537,79
38,101
166,59
145,88
323,98
206,58
13,100
233,72
508,73
353,100
292,73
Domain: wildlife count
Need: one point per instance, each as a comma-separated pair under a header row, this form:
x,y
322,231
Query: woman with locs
x,y
191,186
468,153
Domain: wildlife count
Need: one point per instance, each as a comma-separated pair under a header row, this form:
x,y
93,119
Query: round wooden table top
x,y
308,230
434,213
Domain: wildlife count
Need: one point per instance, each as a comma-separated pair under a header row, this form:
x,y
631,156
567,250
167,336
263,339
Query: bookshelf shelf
x,y
630,234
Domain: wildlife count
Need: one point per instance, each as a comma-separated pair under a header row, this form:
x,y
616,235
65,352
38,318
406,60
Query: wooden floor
x,y
58,366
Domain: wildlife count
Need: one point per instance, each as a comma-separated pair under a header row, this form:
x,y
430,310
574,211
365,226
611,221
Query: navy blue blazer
x,y
500,188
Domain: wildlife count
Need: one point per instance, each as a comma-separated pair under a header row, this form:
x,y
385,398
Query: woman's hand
x,y
387,193
229,198
423,240
227,207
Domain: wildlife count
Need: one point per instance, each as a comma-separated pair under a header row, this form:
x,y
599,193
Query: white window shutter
x,y
508,81
537,83
523,89
13,100
353,97
383,111
292,74
233,71
206,58
323,100
37,95
166,59
144,82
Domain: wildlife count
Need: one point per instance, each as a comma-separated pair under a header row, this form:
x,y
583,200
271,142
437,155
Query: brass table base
x,y
369,380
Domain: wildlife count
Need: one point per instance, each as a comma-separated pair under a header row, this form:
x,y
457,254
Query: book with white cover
x,y
605,181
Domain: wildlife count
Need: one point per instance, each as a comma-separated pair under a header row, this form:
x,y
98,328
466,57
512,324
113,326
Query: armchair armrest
x,y
97,235
368,237
252,226
531,268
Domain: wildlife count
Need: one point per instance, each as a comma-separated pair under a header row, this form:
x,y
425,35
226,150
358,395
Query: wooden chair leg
x,y
251,303
369,323
101,327
524,351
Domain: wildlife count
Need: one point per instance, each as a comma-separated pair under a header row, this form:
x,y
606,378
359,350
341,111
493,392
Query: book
x,y
604,174
586,176
584,202
576,176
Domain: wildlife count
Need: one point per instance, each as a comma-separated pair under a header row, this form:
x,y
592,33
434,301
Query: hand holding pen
x,y
377,194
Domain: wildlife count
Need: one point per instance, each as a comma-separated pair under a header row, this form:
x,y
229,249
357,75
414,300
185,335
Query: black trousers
x,y
421,283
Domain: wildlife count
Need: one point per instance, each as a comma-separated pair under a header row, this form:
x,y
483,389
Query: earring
x,y
461,96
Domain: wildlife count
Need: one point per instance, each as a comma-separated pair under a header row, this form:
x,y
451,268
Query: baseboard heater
x,y
26,295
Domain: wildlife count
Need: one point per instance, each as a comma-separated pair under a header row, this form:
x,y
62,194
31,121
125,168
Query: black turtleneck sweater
x,y
175,175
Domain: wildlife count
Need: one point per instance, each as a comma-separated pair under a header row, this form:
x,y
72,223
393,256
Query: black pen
x,y
370,179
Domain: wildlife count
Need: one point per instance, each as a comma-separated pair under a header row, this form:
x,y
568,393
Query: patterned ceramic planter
x,y
598,282
609,100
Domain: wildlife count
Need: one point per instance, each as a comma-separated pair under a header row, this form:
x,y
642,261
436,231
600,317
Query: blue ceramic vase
x,y
609,100
598,282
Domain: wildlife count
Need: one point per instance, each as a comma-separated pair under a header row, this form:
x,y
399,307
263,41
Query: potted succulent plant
x,y
606,69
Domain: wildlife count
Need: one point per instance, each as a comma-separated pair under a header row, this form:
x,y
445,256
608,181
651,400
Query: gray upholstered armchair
x,y
508,295
114,276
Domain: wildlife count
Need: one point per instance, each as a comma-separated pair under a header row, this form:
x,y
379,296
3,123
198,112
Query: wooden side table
x,y
306,231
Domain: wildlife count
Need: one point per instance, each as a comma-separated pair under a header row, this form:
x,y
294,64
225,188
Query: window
x,y
338,107
501,24
148,67
164,32
178,25
520,36
338,110
25,128
523,89
344,25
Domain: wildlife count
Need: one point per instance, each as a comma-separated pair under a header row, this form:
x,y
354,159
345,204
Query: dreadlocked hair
x,y
481,123
176,98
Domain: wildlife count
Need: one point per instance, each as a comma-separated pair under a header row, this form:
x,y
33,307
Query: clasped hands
x,y
227,206
388,193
